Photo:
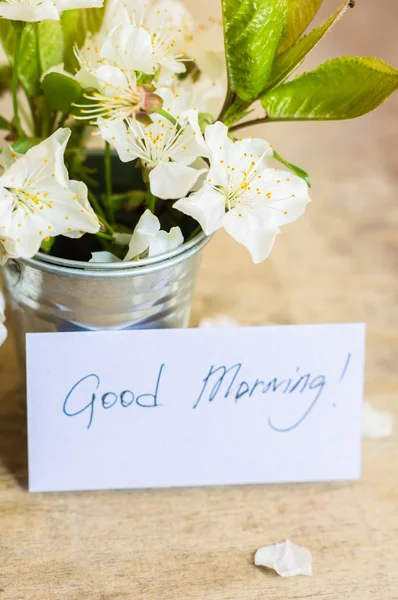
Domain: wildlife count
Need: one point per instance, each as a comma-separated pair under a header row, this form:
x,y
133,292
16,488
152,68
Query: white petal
x,y
6,208
87,219
116,134
22,11
86,78
123,239
219,147
218,321
2,307
3,333
8,157
163,242
248,229
200,165
104,257
56,69
129,47
206,206
71,4
376,424
172,180
286,559
207,46
147,227
288,197
207,96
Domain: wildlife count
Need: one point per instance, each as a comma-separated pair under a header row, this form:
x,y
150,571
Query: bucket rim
x,y
82,269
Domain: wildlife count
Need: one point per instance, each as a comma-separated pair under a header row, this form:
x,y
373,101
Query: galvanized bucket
x,y
52,294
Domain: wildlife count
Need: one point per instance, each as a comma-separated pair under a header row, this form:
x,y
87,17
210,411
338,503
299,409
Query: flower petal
x,y
115,133
248,229
129,47
172,180
220,147
147,227
206,206
163,242
2,307
104,257
287,197
3,333
72,4
31,13
8,157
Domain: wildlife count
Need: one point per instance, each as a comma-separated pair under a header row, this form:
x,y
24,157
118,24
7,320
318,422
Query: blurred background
x,y
339,262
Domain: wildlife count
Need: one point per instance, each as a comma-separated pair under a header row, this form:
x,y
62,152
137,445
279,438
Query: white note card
x,y
194,407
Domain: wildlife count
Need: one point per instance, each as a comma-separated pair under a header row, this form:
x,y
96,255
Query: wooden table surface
x,y
339,263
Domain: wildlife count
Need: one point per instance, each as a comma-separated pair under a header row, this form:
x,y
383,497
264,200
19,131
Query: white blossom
x,y
243,194
168,150
117,96
41,10
37,199
205,95
206,46
148,237
156,34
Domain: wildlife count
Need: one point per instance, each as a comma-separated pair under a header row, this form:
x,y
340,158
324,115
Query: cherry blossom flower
x,y
206,46
205,95
168,151
243,194
156,34
41,10
148,237
38,200
117,95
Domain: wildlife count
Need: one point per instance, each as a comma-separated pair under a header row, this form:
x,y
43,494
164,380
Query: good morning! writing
x,y
86,397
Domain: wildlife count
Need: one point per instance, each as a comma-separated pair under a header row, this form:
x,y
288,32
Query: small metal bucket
x,y
52,294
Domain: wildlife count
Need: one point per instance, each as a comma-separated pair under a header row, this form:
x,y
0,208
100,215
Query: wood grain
x,y
338,263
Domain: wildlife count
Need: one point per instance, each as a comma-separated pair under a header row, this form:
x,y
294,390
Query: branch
x,y
249,123
229,100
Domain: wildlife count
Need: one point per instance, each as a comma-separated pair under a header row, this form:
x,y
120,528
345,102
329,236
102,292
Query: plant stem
x,y
108,180
229,99
17,122
166,115
249,123
104,236
152,203
99,212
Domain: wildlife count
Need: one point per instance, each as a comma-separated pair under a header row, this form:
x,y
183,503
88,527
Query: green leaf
x,y
341,88
76,24
41,48
24,144
289,60
253,31
61,91
29,70
297,170
299,15
50,44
